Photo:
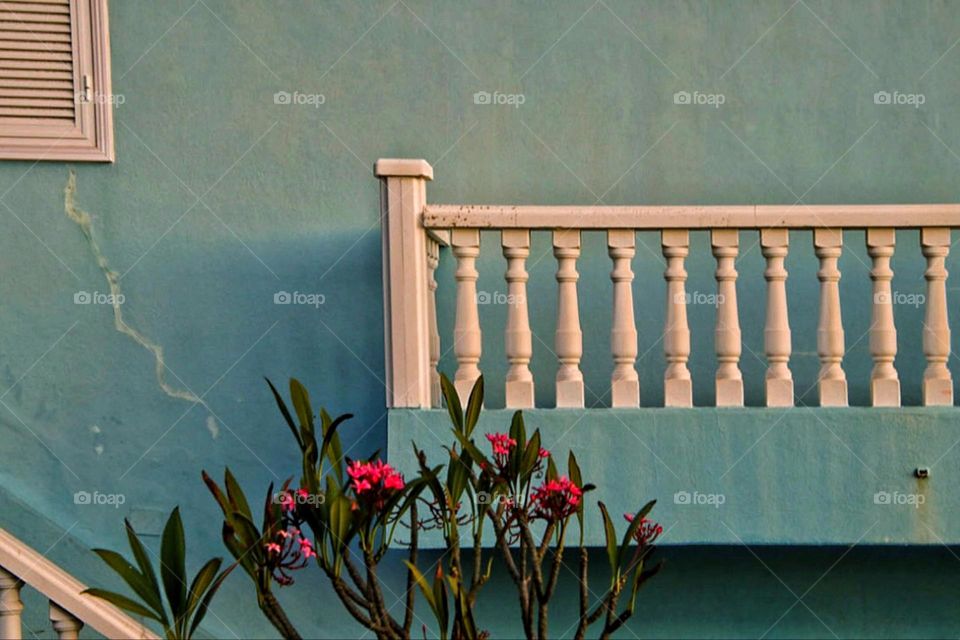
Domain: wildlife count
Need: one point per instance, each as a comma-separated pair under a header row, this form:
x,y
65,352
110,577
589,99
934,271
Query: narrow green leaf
x,y
632,529
134,579
208,598
286,413
474,404
124,603
172,564
201,582
424,587
301,403
146,568
452,401
611,536
236,496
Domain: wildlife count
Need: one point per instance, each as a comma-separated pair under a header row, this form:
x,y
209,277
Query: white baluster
x,y
568,340
518,339
832,380
677,385
884,382
466,332
937,381
64,623
776,335
433,261
625,384
10,606
729,384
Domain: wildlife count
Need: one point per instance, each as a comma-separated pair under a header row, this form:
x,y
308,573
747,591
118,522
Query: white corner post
x,y
405,281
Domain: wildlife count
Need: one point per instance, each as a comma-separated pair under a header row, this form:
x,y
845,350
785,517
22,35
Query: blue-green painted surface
x,y
743,476
290,204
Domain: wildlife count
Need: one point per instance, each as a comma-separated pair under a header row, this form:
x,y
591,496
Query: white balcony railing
x,y
69,610
414,231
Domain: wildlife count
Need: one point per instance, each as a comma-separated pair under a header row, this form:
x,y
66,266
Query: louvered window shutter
x,y
55,100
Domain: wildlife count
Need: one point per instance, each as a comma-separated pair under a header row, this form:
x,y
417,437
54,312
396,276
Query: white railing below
x,y
414,231
70,609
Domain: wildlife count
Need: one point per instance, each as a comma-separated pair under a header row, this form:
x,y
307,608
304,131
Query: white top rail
x,y
60,587
655,217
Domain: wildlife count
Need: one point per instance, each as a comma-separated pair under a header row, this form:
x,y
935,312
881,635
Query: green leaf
x,y
425,588
286,413
611,536
201,582
474,404
236,496
301,403
217,493
146,569
632,529
134,579
172,565
124,603
452,401
208,598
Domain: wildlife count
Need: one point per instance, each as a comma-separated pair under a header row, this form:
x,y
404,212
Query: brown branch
x,y
411,581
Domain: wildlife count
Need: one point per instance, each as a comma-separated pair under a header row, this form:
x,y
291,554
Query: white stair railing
x,y
411,224
70,609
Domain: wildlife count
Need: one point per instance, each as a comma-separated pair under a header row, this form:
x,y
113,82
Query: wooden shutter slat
x,y
35,27
44,65
36,74
32,36
35,103
41,46
19,16
8,54
38,92
34,7
20,111
24,83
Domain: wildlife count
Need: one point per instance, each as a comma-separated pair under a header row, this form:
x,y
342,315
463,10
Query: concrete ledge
x,y
803,476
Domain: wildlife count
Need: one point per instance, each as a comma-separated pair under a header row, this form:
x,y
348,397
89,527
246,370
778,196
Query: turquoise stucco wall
x,y
288,203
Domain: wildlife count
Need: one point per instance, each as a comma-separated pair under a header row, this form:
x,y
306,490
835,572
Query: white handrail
x,y
653,217
63,590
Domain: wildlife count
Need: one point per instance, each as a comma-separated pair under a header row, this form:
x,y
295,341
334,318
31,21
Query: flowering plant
x,y
343,514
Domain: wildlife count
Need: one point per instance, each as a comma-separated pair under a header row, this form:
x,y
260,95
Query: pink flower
x,y
374,482
544,453
556,499
273,547
647,532
501,443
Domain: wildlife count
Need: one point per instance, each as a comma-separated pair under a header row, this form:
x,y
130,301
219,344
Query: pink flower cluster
x,y
556,499
373,482
648,531
289,552
501,443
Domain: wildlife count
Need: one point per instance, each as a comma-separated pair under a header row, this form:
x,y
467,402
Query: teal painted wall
x,y
288,203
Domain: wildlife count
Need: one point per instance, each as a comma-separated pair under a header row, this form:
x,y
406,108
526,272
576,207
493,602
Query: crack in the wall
x,y
85,222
